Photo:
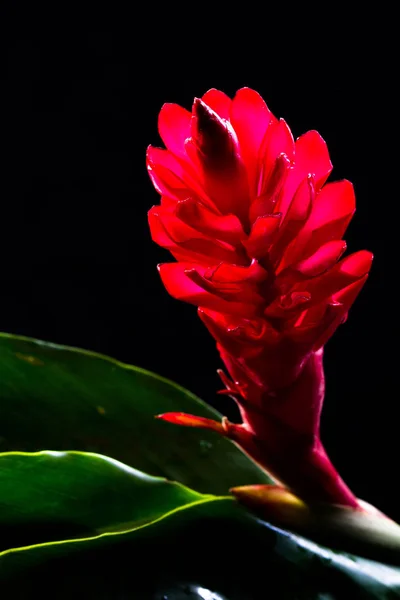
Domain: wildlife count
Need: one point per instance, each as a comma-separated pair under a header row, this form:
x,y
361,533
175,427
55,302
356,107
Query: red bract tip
x,y
179,418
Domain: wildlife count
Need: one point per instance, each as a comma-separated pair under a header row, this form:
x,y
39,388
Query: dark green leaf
x,y
209,546
51,496
143,537
69,399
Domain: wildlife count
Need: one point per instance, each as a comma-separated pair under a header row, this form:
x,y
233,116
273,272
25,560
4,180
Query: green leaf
x,y
68,399
146,537
209,546
49,496
79,525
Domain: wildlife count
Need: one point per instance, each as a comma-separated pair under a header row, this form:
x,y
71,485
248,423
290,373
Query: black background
x,y
78,265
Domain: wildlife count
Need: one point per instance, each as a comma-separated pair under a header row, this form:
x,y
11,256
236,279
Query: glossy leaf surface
x,y
211,546
68,399
54,495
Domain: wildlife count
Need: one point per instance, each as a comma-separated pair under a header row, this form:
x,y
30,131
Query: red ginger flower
x,y
257,235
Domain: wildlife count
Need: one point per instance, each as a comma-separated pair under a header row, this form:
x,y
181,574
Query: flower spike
x,y
257,235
